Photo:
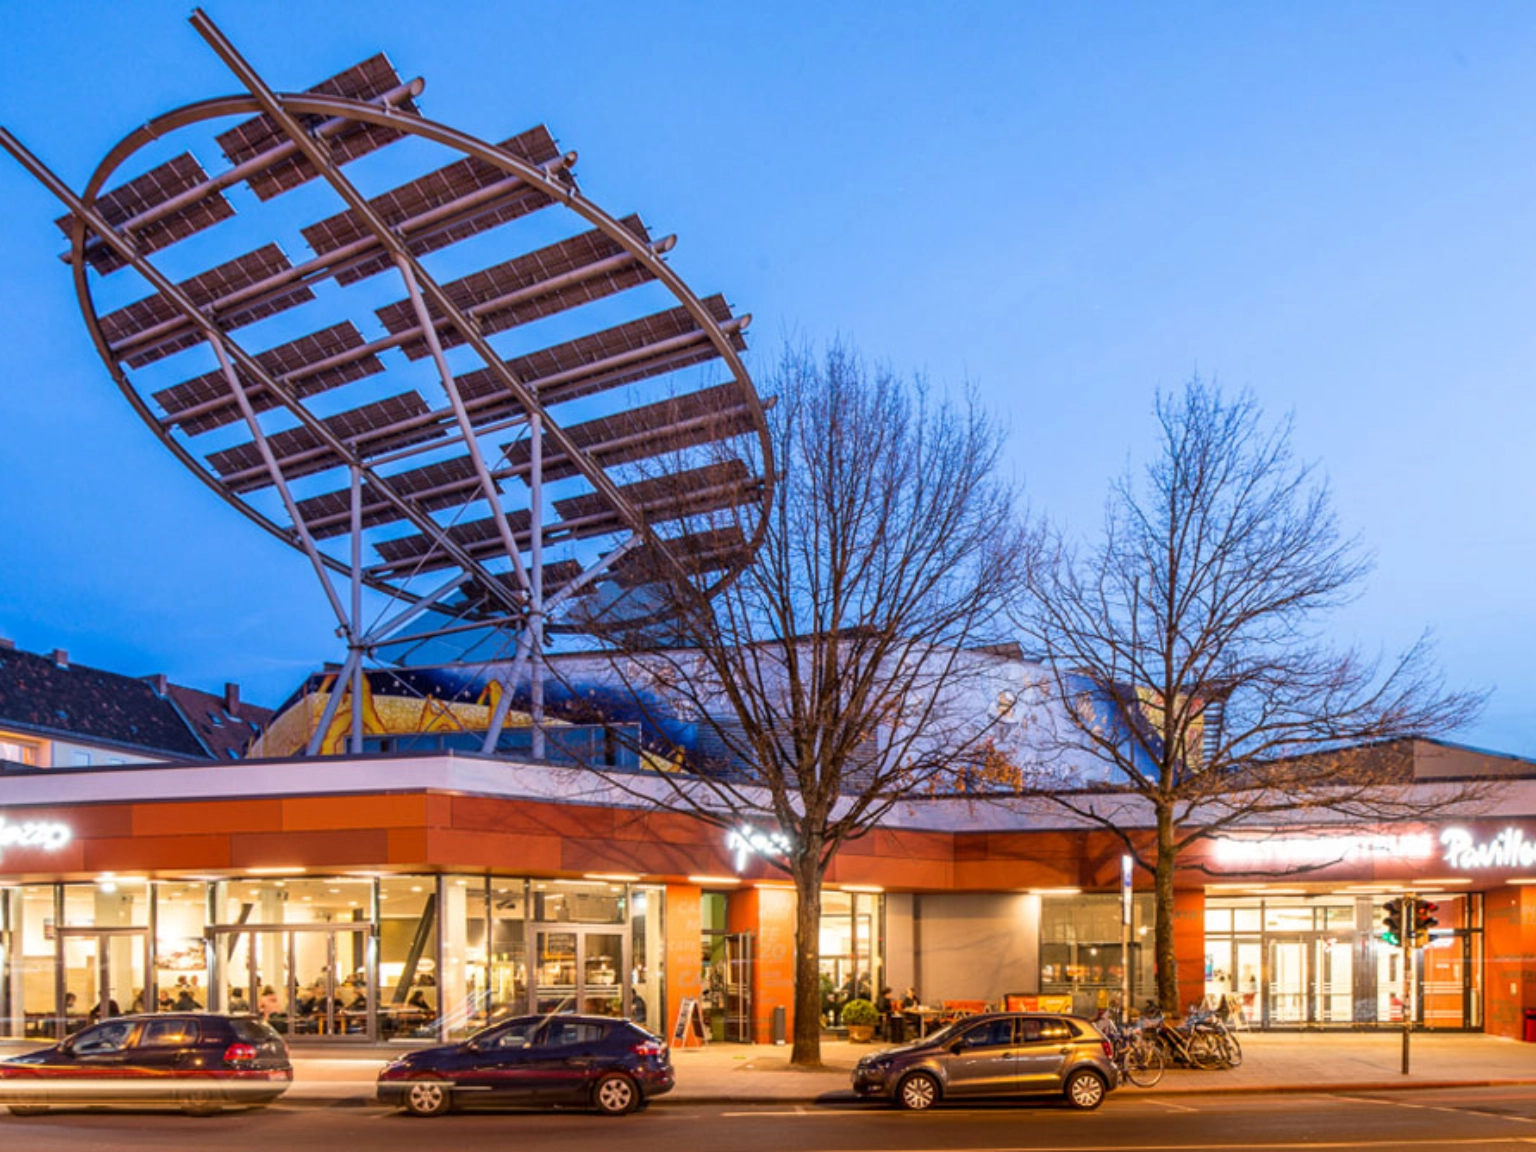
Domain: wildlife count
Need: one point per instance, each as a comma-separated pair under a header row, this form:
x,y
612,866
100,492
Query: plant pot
x,y
861,1033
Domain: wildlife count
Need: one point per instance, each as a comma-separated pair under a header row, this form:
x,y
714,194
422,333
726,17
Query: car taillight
x,y
649,1048
239,1053
1109,1050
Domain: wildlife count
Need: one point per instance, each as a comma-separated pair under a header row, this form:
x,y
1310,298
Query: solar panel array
x,y
338,382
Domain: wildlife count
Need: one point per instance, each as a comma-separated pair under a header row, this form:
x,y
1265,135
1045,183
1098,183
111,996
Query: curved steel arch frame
x,y
525,608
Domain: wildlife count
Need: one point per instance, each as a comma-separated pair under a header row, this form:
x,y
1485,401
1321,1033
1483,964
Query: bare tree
x,y
1190,650
826,683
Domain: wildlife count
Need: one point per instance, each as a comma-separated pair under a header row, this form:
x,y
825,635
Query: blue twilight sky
x,y
1067,205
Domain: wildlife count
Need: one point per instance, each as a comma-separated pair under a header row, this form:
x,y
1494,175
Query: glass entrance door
x,y
306,982
104,974
1287,981
581,969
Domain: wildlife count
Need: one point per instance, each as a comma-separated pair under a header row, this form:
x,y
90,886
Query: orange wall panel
x,y
207,816
371,812
1509,944
1189,946
146,853
684,936
354,848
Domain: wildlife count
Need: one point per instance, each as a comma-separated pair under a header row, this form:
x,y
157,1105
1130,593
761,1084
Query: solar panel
x,y
366,81
155,187
607,359
205,290
480,538
695,492
372,429
523,289
669,425
456,184
431,488
698,553
556,575
211,405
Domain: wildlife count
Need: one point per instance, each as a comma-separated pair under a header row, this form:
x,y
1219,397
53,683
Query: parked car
x,y
200,1061
997,1054
586,1061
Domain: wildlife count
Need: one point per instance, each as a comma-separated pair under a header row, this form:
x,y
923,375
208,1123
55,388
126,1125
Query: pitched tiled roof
x,y
71,701
225,724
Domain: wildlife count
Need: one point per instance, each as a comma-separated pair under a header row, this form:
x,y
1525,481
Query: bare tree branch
x,y
1191,651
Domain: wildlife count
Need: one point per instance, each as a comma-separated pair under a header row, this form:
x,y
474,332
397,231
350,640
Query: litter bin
x,y
779,1024
1530,1025
896,1026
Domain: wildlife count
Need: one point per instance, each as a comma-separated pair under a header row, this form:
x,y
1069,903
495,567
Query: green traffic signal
x,y
1392,922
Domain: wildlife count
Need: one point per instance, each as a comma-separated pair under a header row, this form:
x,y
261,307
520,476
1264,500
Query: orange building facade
x,y
414,898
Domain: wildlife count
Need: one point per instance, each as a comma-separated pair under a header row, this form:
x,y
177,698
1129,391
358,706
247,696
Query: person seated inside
x,y
886,1007
418,1000
238,1002
910,1003
105,1010
185,1001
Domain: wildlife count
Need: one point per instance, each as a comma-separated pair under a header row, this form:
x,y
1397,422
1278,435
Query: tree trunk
x,y
1166,963
807,1047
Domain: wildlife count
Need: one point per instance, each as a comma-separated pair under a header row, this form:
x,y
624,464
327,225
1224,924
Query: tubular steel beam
x,y
488,487
232,378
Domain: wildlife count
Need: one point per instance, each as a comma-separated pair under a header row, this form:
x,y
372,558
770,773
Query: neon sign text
x,y
748,841
45,834
1509,849
1318,851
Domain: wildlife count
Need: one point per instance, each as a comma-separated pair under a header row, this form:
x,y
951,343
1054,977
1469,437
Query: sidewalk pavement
x,y
334,1075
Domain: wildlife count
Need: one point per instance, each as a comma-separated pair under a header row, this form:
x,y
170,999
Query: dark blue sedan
x,y
533,1061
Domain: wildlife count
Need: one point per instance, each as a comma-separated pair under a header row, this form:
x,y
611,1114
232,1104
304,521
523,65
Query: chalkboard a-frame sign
x,y
689,1028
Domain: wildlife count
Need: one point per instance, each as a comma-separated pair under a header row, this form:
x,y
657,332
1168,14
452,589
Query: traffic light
x,y
1392,922
1423,920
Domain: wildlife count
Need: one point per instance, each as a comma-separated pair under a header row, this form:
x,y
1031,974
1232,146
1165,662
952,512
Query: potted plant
x,y
860,1018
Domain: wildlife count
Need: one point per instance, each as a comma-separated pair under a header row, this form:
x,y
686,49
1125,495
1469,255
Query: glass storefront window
x,y
578,902
508,986
108,903
182,975
851,956
1320,961
408,1000
1080,952
648,974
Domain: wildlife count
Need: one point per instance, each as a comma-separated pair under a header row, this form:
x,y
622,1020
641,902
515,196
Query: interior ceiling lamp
x,y
473,391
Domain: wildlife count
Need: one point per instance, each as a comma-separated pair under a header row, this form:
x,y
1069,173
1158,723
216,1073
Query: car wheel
x,y
918,1092
200,1102
615,1094
427,1098
1085,1090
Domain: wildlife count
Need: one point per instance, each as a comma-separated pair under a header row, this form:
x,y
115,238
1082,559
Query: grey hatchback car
x,y
999,1054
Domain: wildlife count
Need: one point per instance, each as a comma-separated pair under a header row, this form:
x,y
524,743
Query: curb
x,y
844,1097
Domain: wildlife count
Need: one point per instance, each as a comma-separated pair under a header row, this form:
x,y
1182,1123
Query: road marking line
x,y
1172,1107
1290,1146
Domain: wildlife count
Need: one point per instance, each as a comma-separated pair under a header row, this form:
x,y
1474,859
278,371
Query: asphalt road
x,y
1484,1118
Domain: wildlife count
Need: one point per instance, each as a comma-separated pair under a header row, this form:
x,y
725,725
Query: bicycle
x,y
1191,1045
1140,1060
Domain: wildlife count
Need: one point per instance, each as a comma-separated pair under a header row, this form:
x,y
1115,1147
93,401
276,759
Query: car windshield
x,y
945,1034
